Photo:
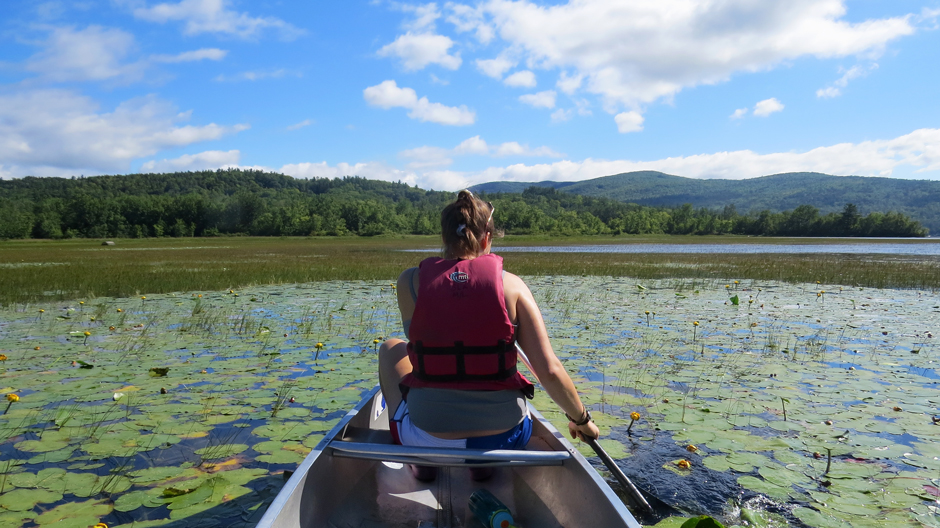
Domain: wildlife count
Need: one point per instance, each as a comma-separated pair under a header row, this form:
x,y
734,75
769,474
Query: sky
x,y
449,94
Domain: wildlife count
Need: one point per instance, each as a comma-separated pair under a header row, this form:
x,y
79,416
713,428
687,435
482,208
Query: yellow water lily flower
x,y
691,448
634,416
13,398
3,357
87,333
684,464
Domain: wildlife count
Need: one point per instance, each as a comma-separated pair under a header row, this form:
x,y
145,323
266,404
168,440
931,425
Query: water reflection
x,y
862,248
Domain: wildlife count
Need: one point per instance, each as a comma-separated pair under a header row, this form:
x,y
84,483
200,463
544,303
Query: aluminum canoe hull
x,y
357,478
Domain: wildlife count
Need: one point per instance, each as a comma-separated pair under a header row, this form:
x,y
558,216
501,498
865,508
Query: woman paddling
x,y
455,383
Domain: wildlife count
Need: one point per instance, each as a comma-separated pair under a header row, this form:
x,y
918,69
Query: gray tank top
x,y
451,410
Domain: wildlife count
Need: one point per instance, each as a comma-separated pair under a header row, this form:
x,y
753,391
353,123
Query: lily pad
x,y
21,500
74,514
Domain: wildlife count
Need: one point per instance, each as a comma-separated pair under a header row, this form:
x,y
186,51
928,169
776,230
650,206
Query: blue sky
x,y
444,95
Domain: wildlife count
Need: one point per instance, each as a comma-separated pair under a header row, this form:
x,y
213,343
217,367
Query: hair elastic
x,y
460,229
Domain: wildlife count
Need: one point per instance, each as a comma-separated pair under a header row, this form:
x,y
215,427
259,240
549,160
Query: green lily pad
x,y
74,514
21,500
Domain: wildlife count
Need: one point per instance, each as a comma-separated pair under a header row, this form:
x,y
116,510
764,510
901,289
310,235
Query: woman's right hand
x,y
580,431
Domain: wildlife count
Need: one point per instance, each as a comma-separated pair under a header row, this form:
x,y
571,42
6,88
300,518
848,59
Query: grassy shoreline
x,y
44,270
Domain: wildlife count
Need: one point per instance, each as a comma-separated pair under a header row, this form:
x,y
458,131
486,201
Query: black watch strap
x,y
587,418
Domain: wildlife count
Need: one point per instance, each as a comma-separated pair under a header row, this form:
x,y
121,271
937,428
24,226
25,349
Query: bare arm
x,y
406,304
533,338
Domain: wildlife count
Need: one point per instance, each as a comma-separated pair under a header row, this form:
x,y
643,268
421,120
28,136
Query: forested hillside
x,y
235,202
918,199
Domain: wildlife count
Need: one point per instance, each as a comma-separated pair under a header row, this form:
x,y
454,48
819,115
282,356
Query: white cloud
x,y
919,150
298,126
739,113
569,85
437,80
388,95
562,115
634,53
214,16
58,130
513,148
428,157
521,79
629,122
210,159
930,16
584,107
768,106
192,56
475,145
425,16
847,75
466,18
418,50
91,54
828,92
256,75
544,99
494,68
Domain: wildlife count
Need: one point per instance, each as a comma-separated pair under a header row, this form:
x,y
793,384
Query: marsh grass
x,y
81,269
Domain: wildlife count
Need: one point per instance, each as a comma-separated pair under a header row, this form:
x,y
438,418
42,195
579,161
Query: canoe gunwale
x,y
295,483
370,429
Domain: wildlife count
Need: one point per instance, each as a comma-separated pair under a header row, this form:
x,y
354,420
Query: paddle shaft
x,y
621,477
605,458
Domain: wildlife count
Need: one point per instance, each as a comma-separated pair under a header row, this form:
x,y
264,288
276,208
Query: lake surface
x,y
863,248
185,409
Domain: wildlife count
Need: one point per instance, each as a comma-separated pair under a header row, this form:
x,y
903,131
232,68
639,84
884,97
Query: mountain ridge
x,y
919,199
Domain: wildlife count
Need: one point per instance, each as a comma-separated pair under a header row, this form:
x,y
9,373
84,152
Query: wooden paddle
x,y
605,458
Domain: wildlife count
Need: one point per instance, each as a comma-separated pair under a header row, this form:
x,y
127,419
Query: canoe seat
x,y
444,457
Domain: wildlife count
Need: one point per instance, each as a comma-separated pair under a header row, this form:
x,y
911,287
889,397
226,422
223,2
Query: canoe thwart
x,y
438,456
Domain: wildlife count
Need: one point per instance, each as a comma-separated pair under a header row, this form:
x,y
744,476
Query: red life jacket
x,y
460,335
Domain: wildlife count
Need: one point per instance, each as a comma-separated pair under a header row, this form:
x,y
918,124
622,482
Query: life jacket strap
x,y
506,369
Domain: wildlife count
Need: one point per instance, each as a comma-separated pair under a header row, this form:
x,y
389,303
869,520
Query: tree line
x,y
248,202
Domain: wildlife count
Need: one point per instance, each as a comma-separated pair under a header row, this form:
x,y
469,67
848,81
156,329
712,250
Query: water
x,y
920,248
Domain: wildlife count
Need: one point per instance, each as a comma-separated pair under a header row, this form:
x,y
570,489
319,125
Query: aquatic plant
x,y
726,395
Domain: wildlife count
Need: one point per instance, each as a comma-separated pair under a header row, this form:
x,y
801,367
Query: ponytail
x,y
464,225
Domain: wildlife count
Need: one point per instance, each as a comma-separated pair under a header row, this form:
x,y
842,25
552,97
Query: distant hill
x,y
237,202
918,199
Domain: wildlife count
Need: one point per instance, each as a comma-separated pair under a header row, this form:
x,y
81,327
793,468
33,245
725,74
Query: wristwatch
x,y
587,418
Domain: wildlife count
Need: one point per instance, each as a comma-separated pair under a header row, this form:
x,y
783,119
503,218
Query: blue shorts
x,y
405,432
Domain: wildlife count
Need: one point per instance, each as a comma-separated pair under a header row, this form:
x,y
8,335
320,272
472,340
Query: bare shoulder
x,y
512,284
517,294
406,276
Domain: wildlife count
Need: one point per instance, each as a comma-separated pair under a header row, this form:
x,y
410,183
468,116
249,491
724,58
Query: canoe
x,y
356,477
